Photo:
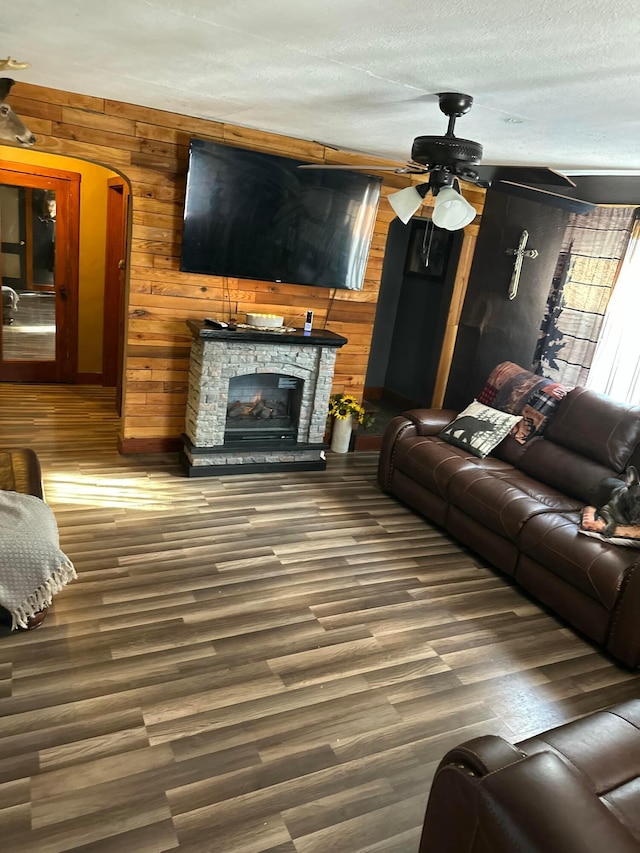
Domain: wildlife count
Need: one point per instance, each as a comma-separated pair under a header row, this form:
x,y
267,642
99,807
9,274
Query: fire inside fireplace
x,y
263,407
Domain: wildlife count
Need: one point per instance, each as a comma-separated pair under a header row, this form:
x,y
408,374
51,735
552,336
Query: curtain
x,y
592,248
616,362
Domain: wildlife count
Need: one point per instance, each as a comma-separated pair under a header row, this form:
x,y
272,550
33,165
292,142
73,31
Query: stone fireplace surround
x,y
219,355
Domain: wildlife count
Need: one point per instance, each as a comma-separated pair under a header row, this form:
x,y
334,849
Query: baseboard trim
x,y
88,379
127,446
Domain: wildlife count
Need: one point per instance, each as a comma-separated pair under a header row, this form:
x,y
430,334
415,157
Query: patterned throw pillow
x,y
479,429
511,388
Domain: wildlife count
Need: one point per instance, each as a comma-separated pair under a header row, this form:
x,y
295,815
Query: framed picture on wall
x,y
428,250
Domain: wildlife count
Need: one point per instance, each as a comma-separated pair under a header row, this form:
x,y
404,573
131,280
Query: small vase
x,y
341,435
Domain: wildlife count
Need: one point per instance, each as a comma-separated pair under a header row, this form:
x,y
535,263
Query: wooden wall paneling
x,y
35,109
149,147
285,146
113,158
159,118
98,136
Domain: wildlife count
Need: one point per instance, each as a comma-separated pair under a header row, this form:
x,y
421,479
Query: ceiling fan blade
x,y
607,188
524,175
564,202
350,168
399,170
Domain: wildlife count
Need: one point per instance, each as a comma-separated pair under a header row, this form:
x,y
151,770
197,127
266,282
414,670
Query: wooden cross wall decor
x,y
520,253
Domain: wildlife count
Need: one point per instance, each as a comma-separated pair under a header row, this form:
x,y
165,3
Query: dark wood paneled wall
x,y
149,147
492,327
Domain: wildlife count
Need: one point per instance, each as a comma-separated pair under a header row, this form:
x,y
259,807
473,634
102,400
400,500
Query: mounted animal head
x,y
11,127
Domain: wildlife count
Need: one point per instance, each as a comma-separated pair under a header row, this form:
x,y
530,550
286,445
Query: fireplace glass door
x,y
263,407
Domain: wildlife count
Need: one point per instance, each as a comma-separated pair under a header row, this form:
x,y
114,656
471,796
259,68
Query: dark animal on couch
x,y
618,501
11,127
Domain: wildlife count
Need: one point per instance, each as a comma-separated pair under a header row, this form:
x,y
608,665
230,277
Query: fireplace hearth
x,y
257,400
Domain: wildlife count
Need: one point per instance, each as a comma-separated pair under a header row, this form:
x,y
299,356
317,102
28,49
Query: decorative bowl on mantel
x,y
265,321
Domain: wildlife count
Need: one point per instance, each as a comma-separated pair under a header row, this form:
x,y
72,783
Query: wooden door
x,y
39,216
115,285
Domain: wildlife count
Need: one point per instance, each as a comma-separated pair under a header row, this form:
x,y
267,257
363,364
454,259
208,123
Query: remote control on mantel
x,y
219,324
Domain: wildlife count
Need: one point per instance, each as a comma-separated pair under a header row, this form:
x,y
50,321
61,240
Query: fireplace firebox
x,y
263,407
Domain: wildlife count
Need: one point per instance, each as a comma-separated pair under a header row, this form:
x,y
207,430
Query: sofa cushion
x,y
479,429
596,568
430,461
597,427
511,450
564,469
504,500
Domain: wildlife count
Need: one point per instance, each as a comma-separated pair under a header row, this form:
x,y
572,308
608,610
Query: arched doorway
x,y
39,233
94,310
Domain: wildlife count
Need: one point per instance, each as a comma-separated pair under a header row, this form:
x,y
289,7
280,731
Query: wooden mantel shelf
x,y
319,337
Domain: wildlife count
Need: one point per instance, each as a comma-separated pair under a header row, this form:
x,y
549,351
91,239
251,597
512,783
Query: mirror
x,y
27,267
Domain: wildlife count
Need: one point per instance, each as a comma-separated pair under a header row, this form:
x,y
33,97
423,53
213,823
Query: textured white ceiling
x,y
555,82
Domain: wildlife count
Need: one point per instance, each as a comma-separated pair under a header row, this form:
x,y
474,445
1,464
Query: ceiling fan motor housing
x,y
445,151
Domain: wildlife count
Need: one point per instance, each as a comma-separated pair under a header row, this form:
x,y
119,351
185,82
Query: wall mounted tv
x,y
254,215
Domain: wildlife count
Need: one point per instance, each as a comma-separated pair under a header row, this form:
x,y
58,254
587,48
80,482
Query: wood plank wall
x,y
149,147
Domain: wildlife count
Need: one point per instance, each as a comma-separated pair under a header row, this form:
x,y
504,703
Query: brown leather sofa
x,y
520,507
573,789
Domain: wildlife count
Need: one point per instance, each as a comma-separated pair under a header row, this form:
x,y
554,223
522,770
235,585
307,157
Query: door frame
x,y
67,187
118,201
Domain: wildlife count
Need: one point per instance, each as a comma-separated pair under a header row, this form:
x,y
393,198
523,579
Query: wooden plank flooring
x,y
264,663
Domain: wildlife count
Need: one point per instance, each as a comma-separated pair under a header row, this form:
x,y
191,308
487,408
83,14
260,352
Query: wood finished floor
x,y
264,663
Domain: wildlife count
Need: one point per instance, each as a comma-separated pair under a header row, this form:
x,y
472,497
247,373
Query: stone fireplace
x,y
258,400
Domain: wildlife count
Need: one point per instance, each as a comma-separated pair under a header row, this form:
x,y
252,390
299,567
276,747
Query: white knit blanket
x,y
32,566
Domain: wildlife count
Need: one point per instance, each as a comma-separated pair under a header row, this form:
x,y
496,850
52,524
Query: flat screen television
x,y
253,215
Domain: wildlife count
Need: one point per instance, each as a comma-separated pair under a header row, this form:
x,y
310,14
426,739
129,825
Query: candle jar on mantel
x,y
341,434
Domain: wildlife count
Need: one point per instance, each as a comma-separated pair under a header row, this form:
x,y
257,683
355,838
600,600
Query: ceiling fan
x,y
448,159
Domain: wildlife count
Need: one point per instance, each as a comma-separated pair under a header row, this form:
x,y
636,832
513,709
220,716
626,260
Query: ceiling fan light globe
x,y
405,203
451,210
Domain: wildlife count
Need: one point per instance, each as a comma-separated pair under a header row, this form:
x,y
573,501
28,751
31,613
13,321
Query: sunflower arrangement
x,y
342,405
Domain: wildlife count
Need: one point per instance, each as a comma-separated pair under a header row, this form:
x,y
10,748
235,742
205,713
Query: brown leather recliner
x,y
573,789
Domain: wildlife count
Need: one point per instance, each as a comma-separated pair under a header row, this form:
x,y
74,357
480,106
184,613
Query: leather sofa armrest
x,y
430,421
536,804
624,635
483,755
408,425
398,428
